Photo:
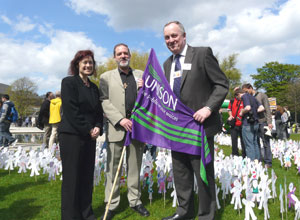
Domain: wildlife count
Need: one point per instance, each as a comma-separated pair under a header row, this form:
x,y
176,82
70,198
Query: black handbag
x,y
231,122
250,117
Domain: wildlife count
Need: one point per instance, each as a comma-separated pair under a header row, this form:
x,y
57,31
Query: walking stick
x,y
115,181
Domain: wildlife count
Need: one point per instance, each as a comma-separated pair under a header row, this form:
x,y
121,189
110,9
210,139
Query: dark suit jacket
x,y
81,107
43,118
204,85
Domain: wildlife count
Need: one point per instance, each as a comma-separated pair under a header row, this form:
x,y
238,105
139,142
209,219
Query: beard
x,y
124,63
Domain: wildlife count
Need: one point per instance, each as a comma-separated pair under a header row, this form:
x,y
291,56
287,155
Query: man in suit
x,y
118,92
197,80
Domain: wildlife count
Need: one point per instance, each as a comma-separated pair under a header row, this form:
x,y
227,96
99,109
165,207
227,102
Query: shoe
x,y
176,217
109,216
267,166
141,210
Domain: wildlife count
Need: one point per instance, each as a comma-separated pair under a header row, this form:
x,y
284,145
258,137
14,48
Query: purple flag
x,y
161,119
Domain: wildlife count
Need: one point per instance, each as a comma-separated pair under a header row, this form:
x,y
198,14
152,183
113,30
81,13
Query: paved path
x,y
25,130
32,130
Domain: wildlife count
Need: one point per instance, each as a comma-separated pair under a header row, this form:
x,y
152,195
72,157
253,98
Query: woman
x,y
81,124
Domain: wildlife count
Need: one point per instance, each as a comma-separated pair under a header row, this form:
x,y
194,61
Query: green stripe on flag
x,y
207,151
180,140
156,124
175,127
203,173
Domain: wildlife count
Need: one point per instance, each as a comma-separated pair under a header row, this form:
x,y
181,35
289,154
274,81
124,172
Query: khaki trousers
x,y
53,138
47,133
134,154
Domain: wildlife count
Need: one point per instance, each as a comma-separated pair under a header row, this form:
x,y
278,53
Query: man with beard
x,y
118,92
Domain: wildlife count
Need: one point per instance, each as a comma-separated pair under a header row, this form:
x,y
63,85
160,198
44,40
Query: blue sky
x,y
38,38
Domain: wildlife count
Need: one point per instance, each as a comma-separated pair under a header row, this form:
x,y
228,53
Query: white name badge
x,y
187,66
177,74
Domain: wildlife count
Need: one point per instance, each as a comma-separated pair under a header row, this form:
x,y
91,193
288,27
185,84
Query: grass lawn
x,y
295,137
23,197
274,206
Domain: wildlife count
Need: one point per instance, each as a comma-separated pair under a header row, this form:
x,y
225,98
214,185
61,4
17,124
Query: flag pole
x,y
115,181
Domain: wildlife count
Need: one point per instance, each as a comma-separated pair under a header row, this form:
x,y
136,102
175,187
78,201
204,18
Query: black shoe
x,y
267,166
109,216
176,217
141,210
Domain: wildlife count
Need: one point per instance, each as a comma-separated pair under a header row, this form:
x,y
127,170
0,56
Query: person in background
x,y
43,118
264,119
1,135
33,121
8,139
234,110
278,122
250,123
27,121
273,124
286,108
55,117
81,124
285,120
294,128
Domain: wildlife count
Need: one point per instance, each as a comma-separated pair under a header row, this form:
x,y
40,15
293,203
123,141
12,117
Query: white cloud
x,y
154,14
6,20
259,30
45,64
23,24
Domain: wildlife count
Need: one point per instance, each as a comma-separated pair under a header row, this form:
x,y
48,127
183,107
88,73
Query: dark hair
x,y
6,96
120,44
280,109
48,94
238,91
74,65
247,86
178,23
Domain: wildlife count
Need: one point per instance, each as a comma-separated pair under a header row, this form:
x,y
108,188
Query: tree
x,y
233,74
274,78
137,61
23,93
293,96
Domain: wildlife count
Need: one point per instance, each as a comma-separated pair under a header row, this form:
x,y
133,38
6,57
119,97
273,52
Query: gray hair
x,y
179,25
57,94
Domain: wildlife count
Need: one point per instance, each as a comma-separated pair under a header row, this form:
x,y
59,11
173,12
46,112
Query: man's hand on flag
x,y
126,123
202,114
140,83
